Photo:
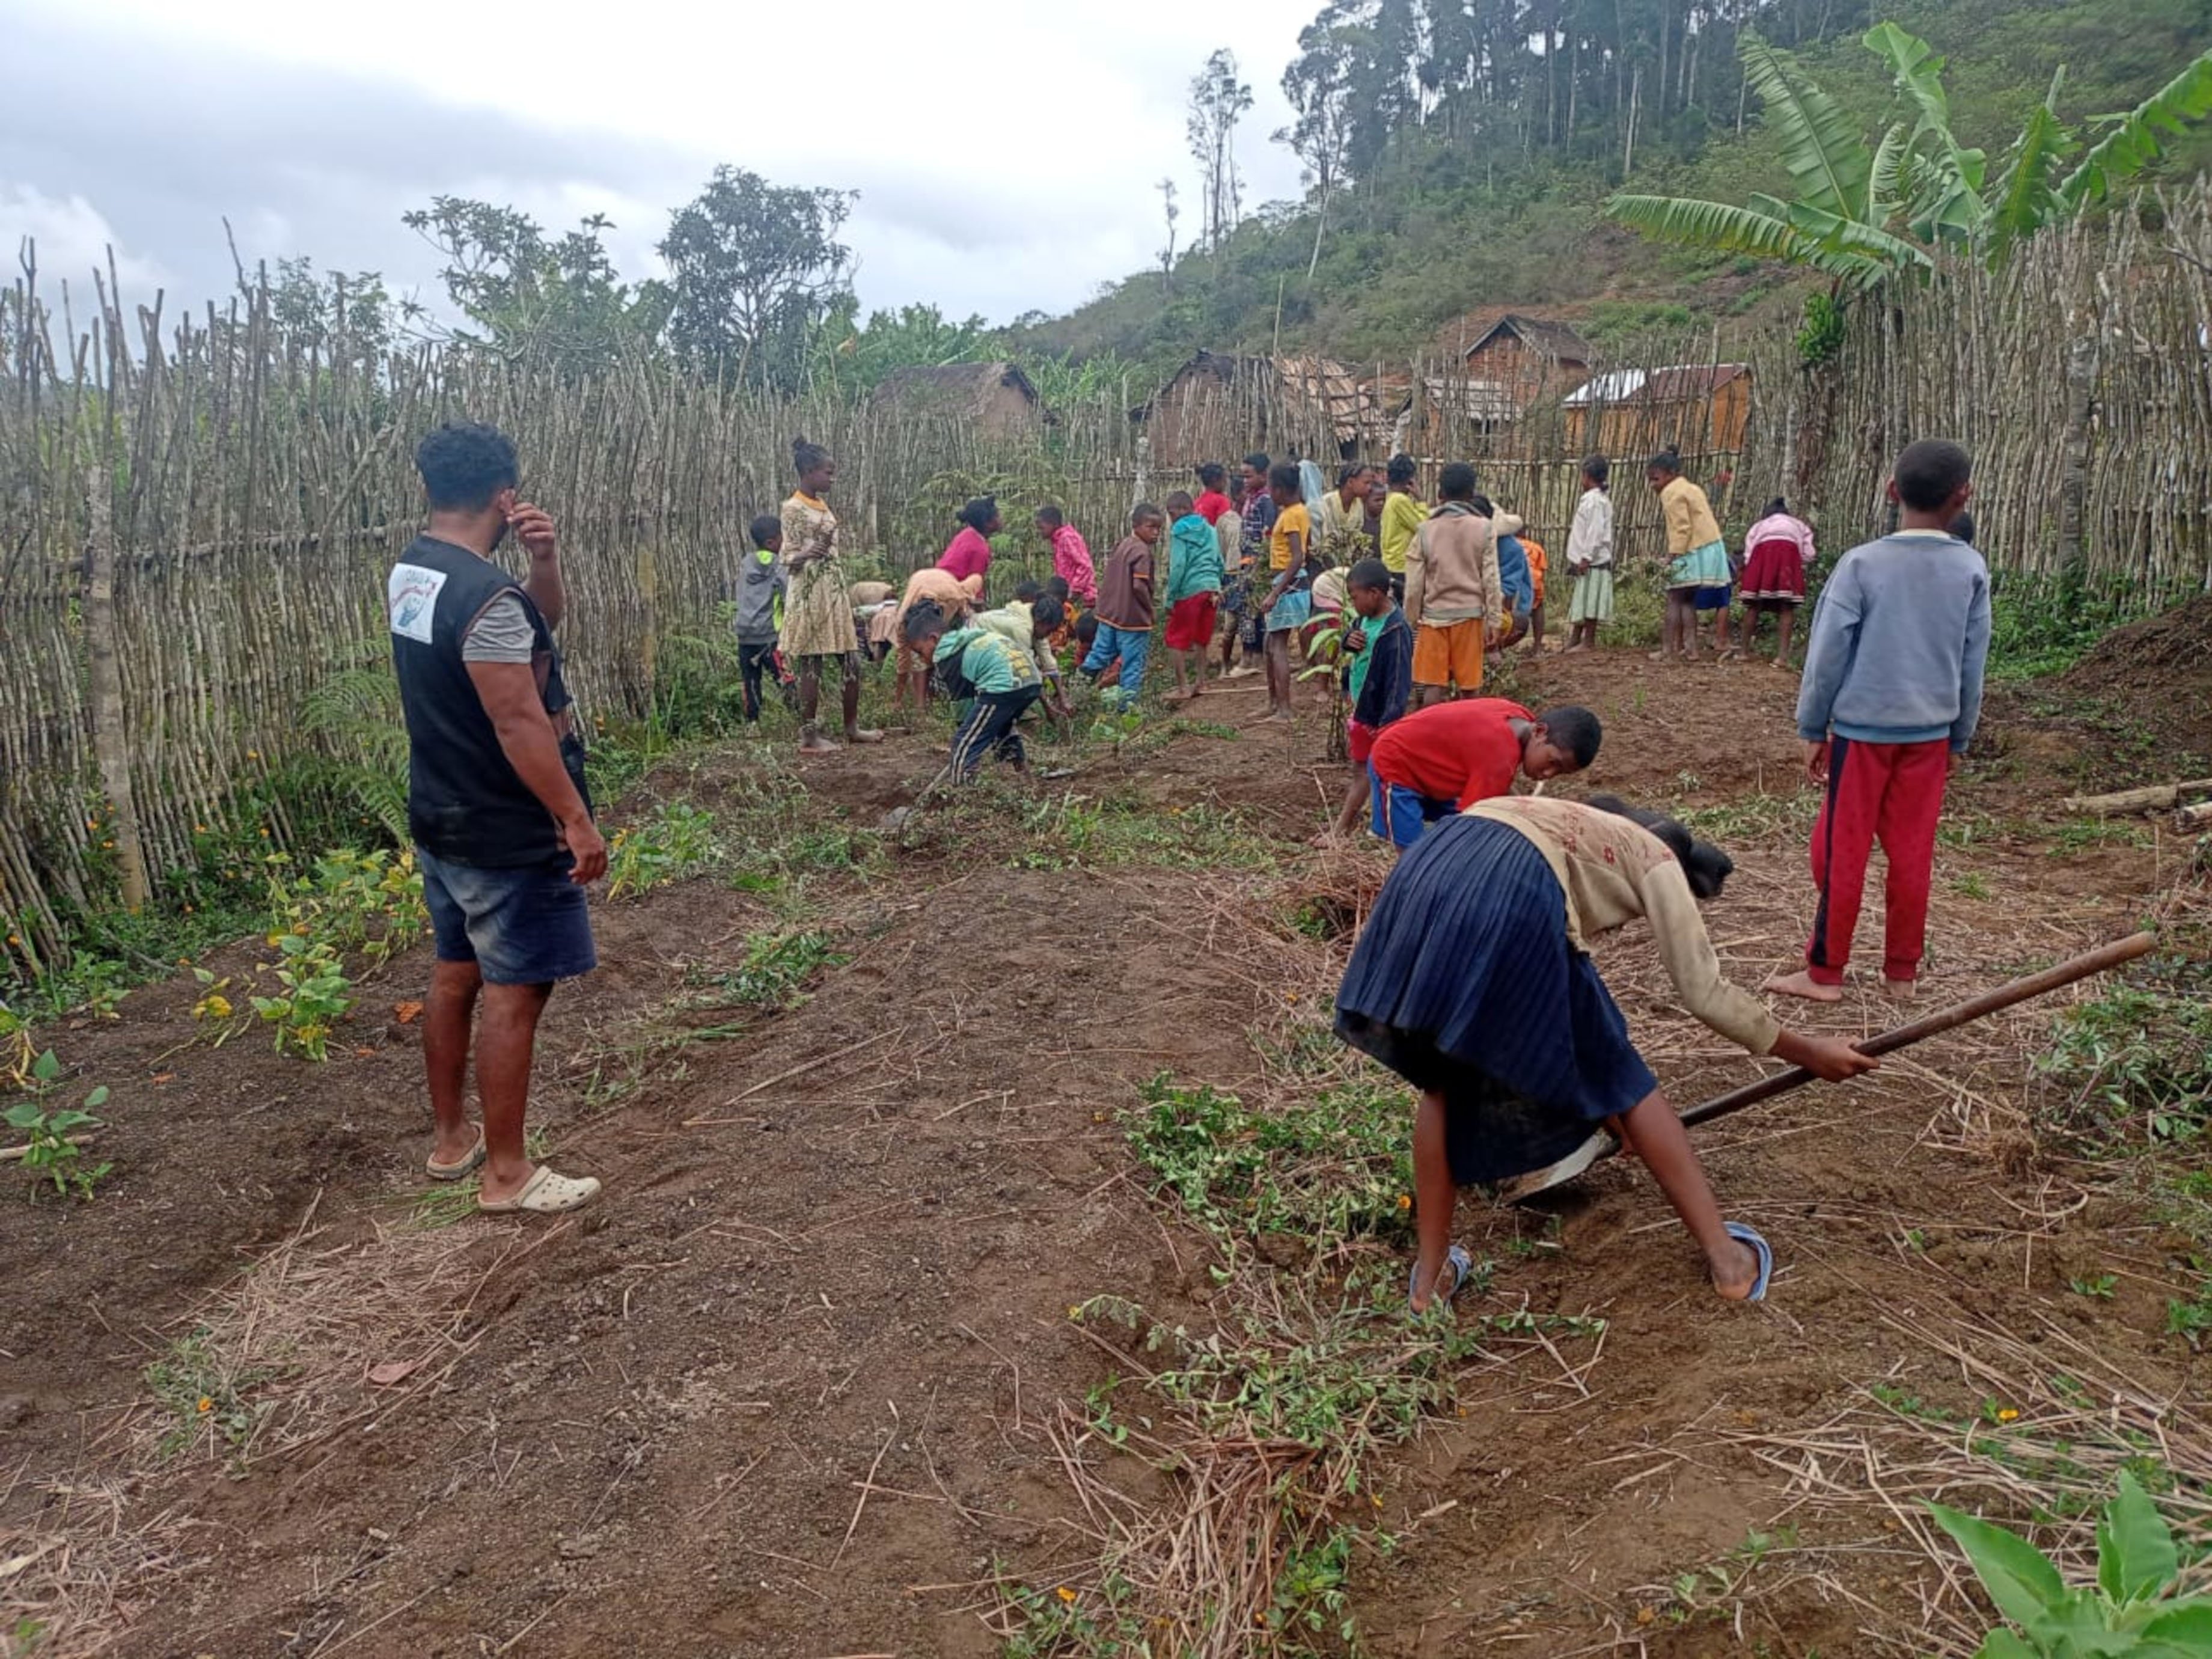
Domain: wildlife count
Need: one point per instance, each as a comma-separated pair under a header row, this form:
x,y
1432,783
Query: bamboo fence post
x,y
108,741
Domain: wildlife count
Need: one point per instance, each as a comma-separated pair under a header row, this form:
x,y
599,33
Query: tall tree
x,y
1318,85
523,293
1219,99
754,270
1171,212
334,313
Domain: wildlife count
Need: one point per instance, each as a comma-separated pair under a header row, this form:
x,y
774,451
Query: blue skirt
x,y
1464,984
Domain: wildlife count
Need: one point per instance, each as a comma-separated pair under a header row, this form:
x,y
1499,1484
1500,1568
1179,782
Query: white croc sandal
x,y
546,1194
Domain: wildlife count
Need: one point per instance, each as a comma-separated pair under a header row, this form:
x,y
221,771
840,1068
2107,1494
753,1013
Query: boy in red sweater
x,y
1442,759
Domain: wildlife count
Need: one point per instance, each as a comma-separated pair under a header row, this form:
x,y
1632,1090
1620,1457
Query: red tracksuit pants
x,y
1892,793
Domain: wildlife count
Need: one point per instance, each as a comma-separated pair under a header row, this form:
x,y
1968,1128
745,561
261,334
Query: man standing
x,y
495,803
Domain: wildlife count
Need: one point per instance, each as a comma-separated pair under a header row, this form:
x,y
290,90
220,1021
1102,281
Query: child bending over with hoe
x,y
978,663
1442,759
1472,982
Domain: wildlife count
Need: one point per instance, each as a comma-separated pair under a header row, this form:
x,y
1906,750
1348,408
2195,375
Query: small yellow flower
x,y
1074,1312
91,824
206,1404
2008,1415
1066,1595
264,835
253,754
199,829
1405,1200
15,938
107,843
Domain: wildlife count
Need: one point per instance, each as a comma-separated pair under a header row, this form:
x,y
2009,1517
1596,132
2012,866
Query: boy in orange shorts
x,y
1454,597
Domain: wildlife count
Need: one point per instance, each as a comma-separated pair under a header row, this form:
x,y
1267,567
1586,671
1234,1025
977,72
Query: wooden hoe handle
x,y
1944,1019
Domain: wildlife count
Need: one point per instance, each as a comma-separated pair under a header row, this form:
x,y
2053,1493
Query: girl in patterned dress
x,y
817,608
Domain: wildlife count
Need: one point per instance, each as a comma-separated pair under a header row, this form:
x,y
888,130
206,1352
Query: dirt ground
x,y
785,1391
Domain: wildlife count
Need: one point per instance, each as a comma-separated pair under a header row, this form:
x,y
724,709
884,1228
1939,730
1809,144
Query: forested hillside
x,y
1458,153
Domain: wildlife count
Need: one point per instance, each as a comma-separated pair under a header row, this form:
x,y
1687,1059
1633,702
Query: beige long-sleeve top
x,y
1451,569
1614,870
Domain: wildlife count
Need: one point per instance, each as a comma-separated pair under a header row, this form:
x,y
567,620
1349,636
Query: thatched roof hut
x,y
1218,406
996,396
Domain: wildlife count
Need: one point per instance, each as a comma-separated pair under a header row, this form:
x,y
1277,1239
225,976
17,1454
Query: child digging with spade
x,y
1472,982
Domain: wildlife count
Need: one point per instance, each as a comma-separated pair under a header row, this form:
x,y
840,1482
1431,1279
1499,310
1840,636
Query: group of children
x,y
1472,979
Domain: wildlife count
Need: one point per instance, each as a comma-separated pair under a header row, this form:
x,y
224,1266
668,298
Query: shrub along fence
x,y
196,517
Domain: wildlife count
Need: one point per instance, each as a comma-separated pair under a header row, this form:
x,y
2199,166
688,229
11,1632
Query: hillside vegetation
x,y
1488,189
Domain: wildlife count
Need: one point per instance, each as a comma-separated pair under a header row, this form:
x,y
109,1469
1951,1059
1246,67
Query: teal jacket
x,y
992,661
1194,559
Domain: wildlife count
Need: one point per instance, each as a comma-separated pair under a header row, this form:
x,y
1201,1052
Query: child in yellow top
x,y
1697,568
1289,602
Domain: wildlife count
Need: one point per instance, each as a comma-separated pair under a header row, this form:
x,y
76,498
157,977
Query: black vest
x,y
465,801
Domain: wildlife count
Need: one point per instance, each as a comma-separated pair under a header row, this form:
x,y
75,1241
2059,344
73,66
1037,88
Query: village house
x,y
1529,358
1695,408
996,396
1218,406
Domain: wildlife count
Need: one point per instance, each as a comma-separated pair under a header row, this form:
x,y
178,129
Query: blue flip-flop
x,y
1460,1264
1744,1234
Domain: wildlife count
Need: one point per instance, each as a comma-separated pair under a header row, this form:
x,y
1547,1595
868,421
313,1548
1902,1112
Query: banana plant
x,y
1863,212
2129,1613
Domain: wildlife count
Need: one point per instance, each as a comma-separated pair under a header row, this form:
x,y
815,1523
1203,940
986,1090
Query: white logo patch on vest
x,y
411,596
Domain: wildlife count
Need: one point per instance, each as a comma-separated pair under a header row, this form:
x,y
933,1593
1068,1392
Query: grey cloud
x,y
165,141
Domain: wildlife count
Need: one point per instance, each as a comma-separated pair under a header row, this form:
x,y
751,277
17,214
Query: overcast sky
x,y
1006,151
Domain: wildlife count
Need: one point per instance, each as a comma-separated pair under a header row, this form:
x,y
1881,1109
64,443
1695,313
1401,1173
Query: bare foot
x,y
1571,649
1900,990
1734,1271
813,743
1274,717
1803,984
862,734
1663,656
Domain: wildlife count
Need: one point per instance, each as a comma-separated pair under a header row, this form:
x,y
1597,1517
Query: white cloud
x,y
72,237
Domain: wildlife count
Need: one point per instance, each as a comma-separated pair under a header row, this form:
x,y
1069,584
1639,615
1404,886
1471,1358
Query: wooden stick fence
x,y
195,516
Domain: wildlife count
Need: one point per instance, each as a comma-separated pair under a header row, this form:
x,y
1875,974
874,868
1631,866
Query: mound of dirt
x,y
2157,671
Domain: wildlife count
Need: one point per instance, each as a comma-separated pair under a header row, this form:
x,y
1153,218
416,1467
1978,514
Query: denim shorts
x,y
1398,815
521,927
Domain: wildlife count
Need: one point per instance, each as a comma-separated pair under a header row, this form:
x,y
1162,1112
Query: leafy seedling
x,y
50,1152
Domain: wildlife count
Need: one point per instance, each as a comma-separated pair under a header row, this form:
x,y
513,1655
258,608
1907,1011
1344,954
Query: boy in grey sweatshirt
x,y
1892,693
760,607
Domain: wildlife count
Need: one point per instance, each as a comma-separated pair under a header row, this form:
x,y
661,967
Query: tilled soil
x,y
779,1392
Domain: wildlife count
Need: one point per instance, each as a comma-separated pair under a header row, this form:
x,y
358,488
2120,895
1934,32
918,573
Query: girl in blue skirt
x,y
1472,982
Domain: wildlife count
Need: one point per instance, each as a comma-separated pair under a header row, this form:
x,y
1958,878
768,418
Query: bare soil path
x,y
787,1390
